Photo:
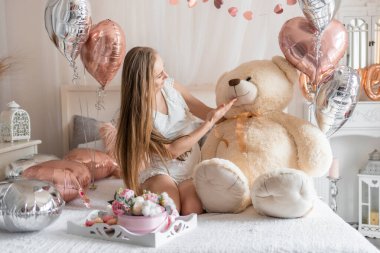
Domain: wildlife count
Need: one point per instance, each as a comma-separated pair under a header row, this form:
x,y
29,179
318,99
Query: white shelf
x,y
12,151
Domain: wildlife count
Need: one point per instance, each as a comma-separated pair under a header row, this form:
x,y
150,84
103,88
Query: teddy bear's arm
x,y
209,148
313,148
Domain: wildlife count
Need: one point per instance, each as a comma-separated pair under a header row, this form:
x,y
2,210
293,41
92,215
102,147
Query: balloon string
x,y
99,105
75,78
318,56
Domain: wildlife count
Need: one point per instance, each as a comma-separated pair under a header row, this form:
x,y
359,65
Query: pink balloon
x,y
104,51
298,42
101,164
70,178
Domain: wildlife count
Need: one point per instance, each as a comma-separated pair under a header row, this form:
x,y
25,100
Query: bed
x,y
320,231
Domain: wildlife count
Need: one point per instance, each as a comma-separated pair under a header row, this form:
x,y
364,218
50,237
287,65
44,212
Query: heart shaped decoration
x,y
248,15
299,44
336,99
104,51
318,12
191,3
218,3
233,11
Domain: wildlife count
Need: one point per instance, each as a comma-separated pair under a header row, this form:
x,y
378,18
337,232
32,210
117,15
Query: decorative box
x,y
15,123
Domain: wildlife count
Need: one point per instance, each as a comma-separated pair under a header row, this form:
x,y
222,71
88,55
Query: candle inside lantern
x,y
334,169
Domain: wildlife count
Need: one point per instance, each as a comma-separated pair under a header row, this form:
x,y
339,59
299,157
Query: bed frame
x,y
73,97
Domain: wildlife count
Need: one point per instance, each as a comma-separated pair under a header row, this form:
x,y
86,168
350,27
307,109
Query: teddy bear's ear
x,y
286,67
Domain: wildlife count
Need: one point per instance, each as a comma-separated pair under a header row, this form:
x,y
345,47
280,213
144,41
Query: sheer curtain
x,y
197,44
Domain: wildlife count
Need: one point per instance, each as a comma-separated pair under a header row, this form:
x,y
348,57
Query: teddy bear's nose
x,y
233,82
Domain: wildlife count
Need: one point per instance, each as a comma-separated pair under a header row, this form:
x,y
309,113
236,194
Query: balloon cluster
x,y
101,46
314,45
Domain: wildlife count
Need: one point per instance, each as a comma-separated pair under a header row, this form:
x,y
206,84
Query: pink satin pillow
x,y
70,178
98,163
108,133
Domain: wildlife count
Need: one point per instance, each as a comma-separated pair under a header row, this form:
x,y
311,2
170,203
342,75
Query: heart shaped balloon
x,y
68,24
336,99
104,51
318,12
299,43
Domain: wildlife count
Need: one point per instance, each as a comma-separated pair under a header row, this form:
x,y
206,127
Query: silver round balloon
x,y
68,24
319,12
28,205
336,99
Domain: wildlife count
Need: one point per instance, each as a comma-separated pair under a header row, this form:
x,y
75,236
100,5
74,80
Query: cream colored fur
x,y
276,145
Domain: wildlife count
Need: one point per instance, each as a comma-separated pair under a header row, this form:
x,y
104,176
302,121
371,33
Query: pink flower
x,y
127,194
151,196
118,208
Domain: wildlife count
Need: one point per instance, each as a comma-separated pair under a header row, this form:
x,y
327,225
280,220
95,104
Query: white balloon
x,y
336,99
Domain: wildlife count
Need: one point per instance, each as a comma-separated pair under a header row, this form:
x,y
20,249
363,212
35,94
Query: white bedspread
x,y
321,231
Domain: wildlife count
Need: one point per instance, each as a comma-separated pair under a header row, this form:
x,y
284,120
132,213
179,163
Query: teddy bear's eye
x,y
248,79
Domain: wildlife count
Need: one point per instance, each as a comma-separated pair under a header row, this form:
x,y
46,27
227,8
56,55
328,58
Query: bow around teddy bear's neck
x,y
241,120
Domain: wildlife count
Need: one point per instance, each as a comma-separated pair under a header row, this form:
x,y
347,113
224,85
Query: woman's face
x,y
159,73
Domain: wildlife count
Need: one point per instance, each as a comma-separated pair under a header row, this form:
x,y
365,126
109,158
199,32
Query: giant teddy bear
x,y
261,155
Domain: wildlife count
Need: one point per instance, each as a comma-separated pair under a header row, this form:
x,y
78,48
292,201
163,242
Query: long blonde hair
x,y
137,139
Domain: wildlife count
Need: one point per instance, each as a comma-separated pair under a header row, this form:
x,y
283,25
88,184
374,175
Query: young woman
x,y
157,140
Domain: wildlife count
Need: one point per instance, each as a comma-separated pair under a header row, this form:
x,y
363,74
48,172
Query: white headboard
x,y
73,97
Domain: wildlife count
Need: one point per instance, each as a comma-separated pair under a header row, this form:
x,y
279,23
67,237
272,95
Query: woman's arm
x,y
183,144
196,107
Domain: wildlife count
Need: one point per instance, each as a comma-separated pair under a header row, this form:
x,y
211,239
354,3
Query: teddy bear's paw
x,y
283,193
221,186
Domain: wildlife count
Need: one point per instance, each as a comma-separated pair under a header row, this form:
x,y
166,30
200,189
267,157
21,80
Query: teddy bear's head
x,y
259,86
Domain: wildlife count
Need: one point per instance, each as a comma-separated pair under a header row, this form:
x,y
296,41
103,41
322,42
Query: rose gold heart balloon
x,y
371,82
319,12
104,51
299,43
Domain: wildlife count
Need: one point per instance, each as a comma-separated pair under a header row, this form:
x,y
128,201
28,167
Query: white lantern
x,y
369,197
15,123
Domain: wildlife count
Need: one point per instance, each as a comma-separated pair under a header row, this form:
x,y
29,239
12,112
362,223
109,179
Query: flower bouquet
x,y
143,214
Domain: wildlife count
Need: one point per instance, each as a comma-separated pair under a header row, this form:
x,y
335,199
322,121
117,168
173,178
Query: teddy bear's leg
x,y
284,193
221,186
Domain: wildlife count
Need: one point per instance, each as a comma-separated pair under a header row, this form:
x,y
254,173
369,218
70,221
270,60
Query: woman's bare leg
x,y
163,183
190,202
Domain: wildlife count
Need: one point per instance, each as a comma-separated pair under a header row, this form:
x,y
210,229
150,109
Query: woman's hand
x,y
216,114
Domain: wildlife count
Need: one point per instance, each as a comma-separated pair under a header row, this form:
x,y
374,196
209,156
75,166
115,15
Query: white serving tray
x,y
118,233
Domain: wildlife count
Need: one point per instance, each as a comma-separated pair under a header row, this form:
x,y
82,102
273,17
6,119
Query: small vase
x,y
142,224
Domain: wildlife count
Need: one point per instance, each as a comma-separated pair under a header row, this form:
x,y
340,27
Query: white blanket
x,y
321,231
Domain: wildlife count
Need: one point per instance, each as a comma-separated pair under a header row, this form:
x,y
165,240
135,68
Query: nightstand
x,y
12,151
